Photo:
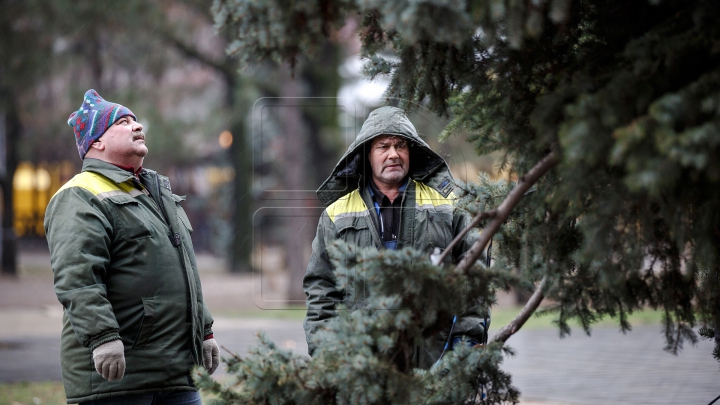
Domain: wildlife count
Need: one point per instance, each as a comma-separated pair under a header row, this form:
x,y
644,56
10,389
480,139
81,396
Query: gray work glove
x,y
211,355
109,360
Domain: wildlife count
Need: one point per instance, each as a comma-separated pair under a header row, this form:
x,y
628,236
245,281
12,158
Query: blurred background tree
x,y
63,49
162,59
25,54
165,61
621,101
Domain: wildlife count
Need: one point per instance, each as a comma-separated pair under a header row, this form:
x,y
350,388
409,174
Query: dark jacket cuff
x,y
102,338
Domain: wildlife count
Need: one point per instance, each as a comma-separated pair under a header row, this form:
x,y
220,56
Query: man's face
x,y
125,139
389,159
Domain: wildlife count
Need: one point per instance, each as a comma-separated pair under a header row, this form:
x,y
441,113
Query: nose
x,y
137,126
393,153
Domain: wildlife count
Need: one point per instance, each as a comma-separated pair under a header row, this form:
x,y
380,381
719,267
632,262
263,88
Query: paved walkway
x,y
612,368
607,368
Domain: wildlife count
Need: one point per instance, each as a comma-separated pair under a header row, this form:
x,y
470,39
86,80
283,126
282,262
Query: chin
x,y
394,179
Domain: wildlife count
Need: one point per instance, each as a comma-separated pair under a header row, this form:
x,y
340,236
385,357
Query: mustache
x,y
139,135
397,162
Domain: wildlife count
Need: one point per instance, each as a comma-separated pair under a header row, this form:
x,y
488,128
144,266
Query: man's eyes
x,y
401,146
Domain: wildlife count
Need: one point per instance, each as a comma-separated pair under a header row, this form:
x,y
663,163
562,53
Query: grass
x,y
292,313
502,316
32,393
43,393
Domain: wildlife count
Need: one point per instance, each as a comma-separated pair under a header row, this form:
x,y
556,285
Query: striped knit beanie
x,y
93,118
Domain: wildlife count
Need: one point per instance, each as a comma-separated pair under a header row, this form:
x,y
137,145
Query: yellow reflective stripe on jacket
x,y
100,186
428,198
349,205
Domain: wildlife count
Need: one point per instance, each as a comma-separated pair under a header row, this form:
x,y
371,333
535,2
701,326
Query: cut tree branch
x,y
530,307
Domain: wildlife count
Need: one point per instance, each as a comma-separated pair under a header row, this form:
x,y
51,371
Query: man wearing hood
x,y
389,190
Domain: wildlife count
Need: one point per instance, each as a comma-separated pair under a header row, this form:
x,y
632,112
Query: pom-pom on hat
x,y
93,118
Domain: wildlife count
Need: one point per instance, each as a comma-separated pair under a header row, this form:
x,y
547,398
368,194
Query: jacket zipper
x,y
372,223
375,233
176,242
402,204
174,236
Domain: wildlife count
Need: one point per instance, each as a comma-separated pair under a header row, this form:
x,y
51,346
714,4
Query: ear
x,y
99,145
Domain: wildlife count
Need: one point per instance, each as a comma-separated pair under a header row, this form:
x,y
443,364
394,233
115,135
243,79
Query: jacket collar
x,y
106,169
375,190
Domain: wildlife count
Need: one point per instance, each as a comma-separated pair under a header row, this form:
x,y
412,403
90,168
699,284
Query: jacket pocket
x,y
181,212
355,230
146,324
433,230
130,218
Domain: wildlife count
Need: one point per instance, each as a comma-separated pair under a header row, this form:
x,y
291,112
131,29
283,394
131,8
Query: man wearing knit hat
x,y
135,323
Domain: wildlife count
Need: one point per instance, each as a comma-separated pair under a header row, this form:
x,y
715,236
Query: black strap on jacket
x,y
151,181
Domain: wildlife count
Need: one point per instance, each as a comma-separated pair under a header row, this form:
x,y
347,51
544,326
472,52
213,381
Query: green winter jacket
x,y
428,220
122,272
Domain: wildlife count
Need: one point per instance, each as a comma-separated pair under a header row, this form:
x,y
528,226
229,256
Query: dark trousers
x,y
152,398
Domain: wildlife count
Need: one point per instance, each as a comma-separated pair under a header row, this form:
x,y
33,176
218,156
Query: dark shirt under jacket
x,y
387,214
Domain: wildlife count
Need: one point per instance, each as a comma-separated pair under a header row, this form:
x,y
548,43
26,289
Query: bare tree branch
x,y
530,307
500,215
503,211
225,68
231,353
475,222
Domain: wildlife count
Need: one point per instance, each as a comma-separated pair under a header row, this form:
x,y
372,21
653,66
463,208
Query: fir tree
x,y
609,110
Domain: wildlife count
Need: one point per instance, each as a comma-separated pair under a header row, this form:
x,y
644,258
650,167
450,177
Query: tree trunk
x,y
96,65
12,133
241,240
716,312
322,80
308,169
241,243
299,225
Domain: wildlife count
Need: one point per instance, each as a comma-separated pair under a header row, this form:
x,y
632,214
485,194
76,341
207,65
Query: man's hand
x,y
109,360
211,355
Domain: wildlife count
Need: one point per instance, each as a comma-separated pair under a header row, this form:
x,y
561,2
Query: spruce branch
x,y
499,215
530,307
504,209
